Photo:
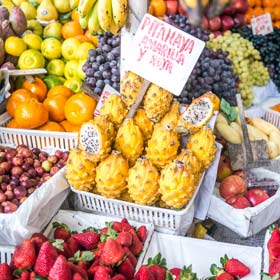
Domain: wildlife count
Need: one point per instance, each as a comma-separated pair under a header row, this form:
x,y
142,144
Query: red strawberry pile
x,y
232,269
107,254
156,270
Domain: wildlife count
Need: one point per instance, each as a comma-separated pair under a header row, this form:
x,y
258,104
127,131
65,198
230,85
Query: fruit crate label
x,y
107,91
163,54
262,24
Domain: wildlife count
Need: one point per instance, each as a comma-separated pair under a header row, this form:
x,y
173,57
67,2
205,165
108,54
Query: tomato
x,y
38,87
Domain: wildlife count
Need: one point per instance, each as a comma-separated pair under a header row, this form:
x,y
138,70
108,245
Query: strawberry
x,y
101,274
95,263
127,269
76,269
45,259
274,250
142,233
60,270
274,268
25,275
224,276
61,231
157,266
38,239
103,230
5,272
131,257
274,238
176,272
32,276
235,267
144,274
126,226
125,238
112,252
118,277
87,240
137,246
77,276
117,226
93,270
72,245
24,255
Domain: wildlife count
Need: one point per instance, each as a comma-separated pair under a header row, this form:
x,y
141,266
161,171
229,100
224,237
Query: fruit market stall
x,y
117,133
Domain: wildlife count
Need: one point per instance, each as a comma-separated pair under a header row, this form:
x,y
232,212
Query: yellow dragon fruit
x,y
143,182
80,170
171,118
163,146
104,122
129,140
111,175
203,146
144,123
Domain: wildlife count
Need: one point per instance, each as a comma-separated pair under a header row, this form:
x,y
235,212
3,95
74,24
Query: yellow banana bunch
x,y
105,14
93,22
119,10
83,20
85,7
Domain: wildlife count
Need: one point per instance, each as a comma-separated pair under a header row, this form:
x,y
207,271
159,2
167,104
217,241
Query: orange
x,y
13,124
16,98
79,108
38,87
55,106
52,126
70,127
75,15
94,39
83,38
71,29
31,114
60,90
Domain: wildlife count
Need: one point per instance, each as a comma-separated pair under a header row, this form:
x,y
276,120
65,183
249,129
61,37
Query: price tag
x,y
262,24
163,54
107,91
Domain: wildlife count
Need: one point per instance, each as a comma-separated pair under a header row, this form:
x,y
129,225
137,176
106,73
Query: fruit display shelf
x,y
36,138
189,252
165,220
78,221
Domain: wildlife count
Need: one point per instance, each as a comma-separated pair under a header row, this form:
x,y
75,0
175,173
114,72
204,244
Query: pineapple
x,y
80,170
143,183
172,117
95,140
111,175
129,141
157,102
203,146
130,86
176,184
114,108
196,115
144,123
163,146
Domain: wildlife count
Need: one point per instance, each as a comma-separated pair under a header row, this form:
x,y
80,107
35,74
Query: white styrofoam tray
x,y
249,221
78,221
201,254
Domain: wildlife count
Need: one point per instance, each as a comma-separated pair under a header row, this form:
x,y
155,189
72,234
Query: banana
x,y
83,20
85,7
93,23
74,4
120,10
105,15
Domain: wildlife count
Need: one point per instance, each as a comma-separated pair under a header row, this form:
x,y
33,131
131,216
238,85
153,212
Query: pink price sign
x,y
163,54
262,24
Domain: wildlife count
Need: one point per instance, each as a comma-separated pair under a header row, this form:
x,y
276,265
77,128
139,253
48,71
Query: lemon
x,y
53,29
15,46
51,48
74,84
71,69
29,10
31,59
56,67
69,47
33,41
82,50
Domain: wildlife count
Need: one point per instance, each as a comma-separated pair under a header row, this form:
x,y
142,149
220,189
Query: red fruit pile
x,y
22,171
273,246
156,269
232,269
107,254
234,189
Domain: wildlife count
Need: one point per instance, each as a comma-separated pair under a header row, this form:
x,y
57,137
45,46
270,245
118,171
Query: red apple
x,y
229,10
240,173
227,22
215,24
231,186
256,196
205,23
171,7
182,10
240,6
239,19
238,201
224,169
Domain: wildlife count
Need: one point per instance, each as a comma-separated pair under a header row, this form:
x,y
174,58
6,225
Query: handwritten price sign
x,y
163,54
262,25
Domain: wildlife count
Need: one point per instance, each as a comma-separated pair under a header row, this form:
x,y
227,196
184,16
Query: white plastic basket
x,y
6,253
78,221
271,115
165,220
36,138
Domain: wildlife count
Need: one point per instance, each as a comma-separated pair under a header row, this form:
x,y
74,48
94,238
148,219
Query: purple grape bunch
x,y
103,65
